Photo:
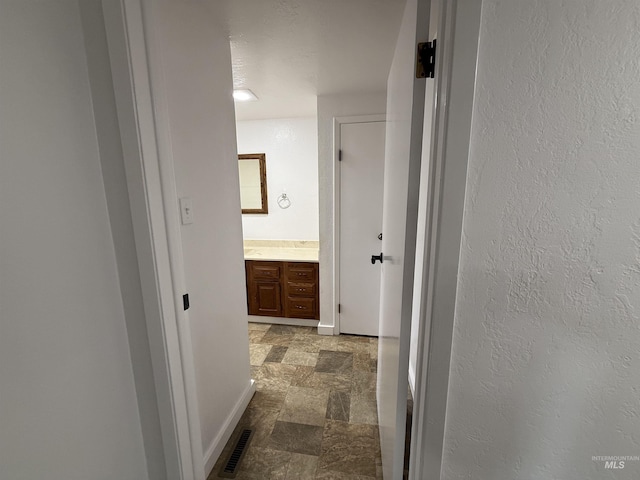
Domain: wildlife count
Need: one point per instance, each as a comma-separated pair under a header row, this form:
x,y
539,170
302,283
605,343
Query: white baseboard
x,y
296,322
326,329
218,443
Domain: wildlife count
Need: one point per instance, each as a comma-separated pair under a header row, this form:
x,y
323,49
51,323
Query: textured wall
x,y
545,370
291,145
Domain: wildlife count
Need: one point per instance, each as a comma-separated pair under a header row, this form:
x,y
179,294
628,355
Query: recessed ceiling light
x,y
244,96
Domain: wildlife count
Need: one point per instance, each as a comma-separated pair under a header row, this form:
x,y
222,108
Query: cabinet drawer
x,y
301,307
301,289
265,270
302,272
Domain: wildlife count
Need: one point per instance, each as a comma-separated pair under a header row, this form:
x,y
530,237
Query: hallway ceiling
x,y
289,51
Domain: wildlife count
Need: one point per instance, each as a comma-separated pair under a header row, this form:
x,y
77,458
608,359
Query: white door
x,y
405,115
361,184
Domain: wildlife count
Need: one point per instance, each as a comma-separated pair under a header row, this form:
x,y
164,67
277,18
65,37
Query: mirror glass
x,y
253,183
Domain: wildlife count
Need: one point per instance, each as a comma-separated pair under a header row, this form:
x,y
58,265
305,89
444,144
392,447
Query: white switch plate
x,y
186,210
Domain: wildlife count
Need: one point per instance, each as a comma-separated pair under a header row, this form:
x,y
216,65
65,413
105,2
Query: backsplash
x,y
282,244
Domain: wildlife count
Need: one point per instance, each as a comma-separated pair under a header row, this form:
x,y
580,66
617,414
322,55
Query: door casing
x,y
142,113
456,59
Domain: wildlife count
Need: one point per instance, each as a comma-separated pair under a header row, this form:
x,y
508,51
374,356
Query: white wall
x,y
197,70
545,367
291,146
68,402
330,106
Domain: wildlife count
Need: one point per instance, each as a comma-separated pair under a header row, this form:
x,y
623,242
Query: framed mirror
x,y
253,183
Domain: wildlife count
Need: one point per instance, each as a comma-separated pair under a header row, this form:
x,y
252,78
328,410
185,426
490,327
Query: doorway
x,y
177,351
359,196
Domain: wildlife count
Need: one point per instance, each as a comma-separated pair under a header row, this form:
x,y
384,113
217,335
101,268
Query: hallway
x,y
314,410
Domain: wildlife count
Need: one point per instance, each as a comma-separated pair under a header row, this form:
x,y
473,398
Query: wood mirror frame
x,y
262,159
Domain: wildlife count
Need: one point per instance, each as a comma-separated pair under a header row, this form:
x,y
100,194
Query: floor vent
x,y
230,470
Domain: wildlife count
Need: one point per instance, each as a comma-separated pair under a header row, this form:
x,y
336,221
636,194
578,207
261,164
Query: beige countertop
x,y
281,250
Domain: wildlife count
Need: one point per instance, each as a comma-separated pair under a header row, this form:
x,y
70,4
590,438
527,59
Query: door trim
x,y
143,118
337,123
455,87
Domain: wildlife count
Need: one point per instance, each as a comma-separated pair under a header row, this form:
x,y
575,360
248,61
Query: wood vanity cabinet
x,y
283,289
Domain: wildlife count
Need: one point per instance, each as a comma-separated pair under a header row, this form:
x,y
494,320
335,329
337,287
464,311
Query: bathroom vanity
x,y
282,279
283,289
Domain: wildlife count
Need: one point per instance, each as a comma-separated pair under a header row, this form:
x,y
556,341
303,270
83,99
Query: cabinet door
x,y
264,288
265,298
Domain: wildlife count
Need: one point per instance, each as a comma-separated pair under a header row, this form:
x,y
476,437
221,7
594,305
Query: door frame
x,y
143,118
458,32
144,128
337,124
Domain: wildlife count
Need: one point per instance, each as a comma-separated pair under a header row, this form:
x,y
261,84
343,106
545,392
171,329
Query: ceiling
x,y
289,51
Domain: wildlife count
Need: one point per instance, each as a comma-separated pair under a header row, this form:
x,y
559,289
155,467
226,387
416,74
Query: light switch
x,y
186,210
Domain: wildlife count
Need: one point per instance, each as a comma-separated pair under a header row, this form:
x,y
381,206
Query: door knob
x,y
380,237
376,257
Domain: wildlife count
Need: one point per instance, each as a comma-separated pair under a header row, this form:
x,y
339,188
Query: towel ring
x,y
284,201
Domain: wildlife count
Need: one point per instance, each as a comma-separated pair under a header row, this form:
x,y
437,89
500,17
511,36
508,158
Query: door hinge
x,y
339,308
426,60
185,301
340,155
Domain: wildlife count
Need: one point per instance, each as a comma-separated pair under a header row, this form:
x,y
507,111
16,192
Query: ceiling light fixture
x,y
244,96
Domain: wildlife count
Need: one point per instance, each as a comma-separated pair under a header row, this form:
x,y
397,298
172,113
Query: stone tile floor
x,y
314,410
